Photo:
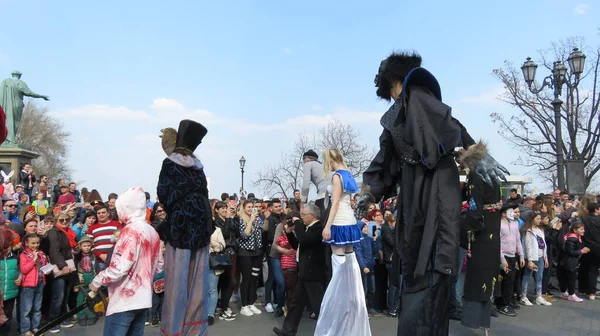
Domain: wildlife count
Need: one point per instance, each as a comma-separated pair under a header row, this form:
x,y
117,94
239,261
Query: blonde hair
x,y
242,213
583,205
332,155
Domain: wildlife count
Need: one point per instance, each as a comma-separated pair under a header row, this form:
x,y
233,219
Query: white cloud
x,y
287,51
581,9
103,112
166,104
488,97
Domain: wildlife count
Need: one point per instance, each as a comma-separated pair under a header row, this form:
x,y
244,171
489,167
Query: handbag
x,y
221,261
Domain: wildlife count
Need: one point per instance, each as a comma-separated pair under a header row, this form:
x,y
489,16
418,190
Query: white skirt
x,y
344,309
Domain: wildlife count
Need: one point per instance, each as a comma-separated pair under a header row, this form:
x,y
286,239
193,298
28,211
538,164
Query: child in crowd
x,y
158,294
537,259
41,205
568,259
365,256
32,260
290,268
86,271
18,191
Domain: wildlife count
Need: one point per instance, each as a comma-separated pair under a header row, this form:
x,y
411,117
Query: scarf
x,y
70,234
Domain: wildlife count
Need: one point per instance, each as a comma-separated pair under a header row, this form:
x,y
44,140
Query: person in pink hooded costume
x,y
136,258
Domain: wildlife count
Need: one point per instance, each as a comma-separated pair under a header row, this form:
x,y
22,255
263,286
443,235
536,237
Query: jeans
x,y
157,303
539,275
393,290
31,305
129,323
270,282
61,289
276,272
368,281
213,292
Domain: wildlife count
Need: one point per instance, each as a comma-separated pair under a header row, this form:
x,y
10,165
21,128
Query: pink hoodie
x,y
136,257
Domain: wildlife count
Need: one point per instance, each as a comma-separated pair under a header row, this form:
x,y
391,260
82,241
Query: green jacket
x,y
9,272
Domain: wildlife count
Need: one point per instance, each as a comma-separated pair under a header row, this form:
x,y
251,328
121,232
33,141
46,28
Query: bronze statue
x,y
12,91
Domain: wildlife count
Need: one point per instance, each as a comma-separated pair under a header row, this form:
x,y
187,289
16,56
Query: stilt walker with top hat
x,y
182,189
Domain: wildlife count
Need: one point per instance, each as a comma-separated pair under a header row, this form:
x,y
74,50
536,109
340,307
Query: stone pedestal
x,y
13,159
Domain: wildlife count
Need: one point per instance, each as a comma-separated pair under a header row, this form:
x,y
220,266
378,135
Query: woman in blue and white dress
x,y
344,310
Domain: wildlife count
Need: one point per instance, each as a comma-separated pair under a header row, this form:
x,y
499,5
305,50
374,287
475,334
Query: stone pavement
x,y
562,319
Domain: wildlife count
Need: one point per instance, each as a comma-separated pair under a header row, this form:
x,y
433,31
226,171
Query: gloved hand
x,y
490,170
360,208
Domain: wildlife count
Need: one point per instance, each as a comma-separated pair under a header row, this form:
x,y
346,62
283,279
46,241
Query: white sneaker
x,y
230,312
525,301
246,311
542,302
269,308
254,310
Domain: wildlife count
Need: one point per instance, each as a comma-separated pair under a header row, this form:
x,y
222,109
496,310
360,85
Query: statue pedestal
x,y
13,158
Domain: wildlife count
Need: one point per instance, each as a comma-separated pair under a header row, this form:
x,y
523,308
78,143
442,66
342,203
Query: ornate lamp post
x,y
242,165
555,81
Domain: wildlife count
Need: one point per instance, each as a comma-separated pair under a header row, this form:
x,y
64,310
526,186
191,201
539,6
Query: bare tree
x,y
345,138
283,178
532,129
47,136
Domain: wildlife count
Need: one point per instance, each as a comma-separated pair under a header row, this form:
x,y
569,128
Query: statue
x,y
12,91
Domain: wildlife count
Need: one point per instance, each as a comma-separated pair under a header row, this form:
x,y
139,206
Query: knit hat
x,y
86,238
311,154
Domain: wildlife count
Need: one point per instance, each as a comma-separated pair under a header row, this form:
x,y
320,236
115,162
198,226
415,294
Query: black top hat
x,y
189,136
508,205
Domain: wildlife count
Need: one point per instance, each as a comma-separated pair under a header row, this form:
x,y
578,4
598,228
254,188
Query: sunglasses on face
x,y
160,211
62,220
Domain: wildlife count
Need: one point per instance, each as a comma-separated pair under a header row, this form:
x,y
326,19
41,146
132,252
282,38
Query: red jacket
x,y
30,269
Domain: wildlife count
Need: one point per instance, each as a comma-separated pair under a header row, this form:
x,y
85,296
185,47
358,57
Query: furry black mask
x,y
395,68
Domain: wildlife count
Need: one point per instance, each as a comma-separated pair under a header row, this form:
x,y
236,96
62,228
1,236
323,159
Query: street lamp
x,y
555,81
242,165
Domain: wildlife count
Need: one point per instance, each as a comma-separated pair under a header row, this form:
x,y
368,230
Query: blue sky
x,y
257,72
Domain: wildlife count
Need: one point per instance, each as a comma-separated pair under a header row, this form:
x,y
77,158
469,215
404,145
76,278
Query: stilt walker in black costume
x,y
416,153
482,226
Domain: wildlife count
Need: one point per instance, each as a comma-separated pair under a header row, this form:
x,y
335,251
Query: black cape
x,y
483,266
416,149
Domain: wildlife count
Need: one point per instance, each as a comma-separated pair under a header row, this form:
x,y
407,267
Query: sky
x,y
257,73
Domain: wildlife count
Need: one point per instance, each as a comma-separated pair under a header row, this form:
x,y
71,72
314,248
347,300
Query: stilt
x,y
486,331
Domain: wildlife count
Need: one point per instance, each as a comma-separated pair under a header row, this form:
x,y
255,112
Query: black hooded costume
x,y
481,227
416,153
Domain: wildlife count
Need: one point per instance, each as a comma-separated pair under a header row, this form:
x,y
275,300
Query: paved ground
x,y
563,318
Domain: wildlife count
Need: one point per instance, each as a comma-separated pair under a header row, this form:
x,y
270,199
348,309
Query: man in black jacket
x,y
305,236
591,239
27,179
